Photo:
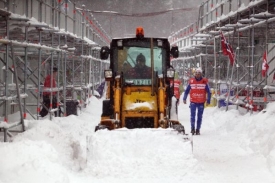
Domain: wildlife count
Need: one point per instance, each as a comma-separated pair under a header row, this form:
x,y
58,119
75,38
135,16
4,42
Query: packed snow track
x,y
143,150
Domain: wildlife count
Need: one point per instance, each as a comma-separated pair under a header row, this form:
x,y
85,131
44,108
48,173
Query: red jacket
x,y
47,84
176,88
198,89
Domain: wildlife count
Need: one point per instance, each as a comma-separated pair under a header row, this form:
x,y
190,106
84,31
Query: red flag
x,y
265,66
227,49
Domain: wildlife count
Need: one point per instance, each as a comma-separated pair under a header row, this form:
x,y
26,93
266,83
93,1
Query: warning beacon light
x,y
139,32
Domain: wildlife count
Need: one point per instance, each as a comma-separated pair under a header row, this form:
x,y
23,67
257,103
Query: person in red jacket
x,y
198,88
49,83
177,88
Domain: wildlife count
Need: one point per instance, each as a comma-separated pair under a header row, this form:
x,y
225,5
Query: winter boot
x,y
193,131
198,132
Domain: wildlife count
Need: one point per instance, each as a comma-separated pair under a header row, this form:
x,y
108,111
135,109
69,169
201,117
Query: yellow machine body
x,y
138,99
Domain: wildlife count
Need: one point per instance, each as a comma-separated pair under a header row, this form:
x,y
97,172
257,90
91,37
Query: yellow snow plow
x,y
139,93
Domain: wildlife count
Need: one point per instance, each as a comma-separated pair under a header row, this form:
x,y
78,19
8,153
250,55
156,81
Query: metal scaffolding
x,y
248,27
35,36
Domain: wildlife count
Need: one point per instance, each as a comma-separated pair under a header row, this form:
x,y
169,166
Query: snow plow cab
x,y
138,93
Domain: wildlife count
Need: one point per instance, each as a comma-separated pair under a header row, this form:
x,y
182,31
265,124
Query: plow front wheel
x,y
100,127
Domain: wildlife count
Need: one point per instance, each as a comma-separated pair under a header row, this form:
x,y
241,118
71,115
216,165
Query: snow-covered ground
x,y
234,146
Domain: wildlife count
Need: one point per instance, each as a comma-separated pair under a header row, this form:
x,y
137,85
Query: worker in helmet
x,y
198,88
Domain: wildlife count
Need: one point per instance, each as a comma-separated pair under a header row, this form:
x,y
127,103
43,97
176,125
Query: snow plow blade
x,y
177,129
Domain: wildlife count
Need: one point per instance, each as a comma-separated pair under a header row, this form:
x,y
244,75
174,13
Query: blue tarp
x,y
100,89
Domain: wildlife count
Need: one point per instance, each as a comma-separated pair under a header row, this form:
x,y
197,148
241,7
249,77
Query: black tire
x,y
100,127
107,109
179,128
96,128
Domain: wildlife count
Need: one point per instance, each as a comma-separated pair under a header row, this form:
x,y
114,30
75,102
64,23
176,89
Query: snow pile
x,y
145,153
234,146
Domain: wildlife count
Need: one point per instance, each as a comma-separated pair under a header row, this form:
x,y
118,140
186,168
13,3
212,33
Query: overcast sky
x,y
154,25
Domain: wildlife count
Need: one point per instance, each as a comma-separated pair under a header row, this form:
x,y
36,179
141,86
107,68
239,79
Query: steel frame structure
x,y
35,36
248,26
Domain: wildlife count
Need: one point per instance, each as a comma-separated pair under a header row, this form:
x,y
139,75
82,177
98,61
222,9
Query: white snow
x,y
234,146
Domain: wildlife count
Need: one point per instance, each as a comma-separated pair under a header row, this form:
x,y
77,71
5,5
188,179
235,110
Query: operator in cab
x,y
141,70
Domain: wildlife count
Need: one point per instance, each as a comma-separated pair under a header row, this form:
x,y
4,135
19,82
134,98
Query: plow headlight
x,y
170,73
119,43
160,43
108,74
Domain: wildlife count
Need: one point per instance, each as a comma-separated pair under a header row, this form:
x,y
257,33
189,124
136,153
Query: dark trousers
x,y
46,105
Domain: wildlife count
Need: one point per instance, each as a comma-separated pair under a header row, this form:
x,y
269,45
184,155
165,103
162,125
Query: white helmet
x,y
199,70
